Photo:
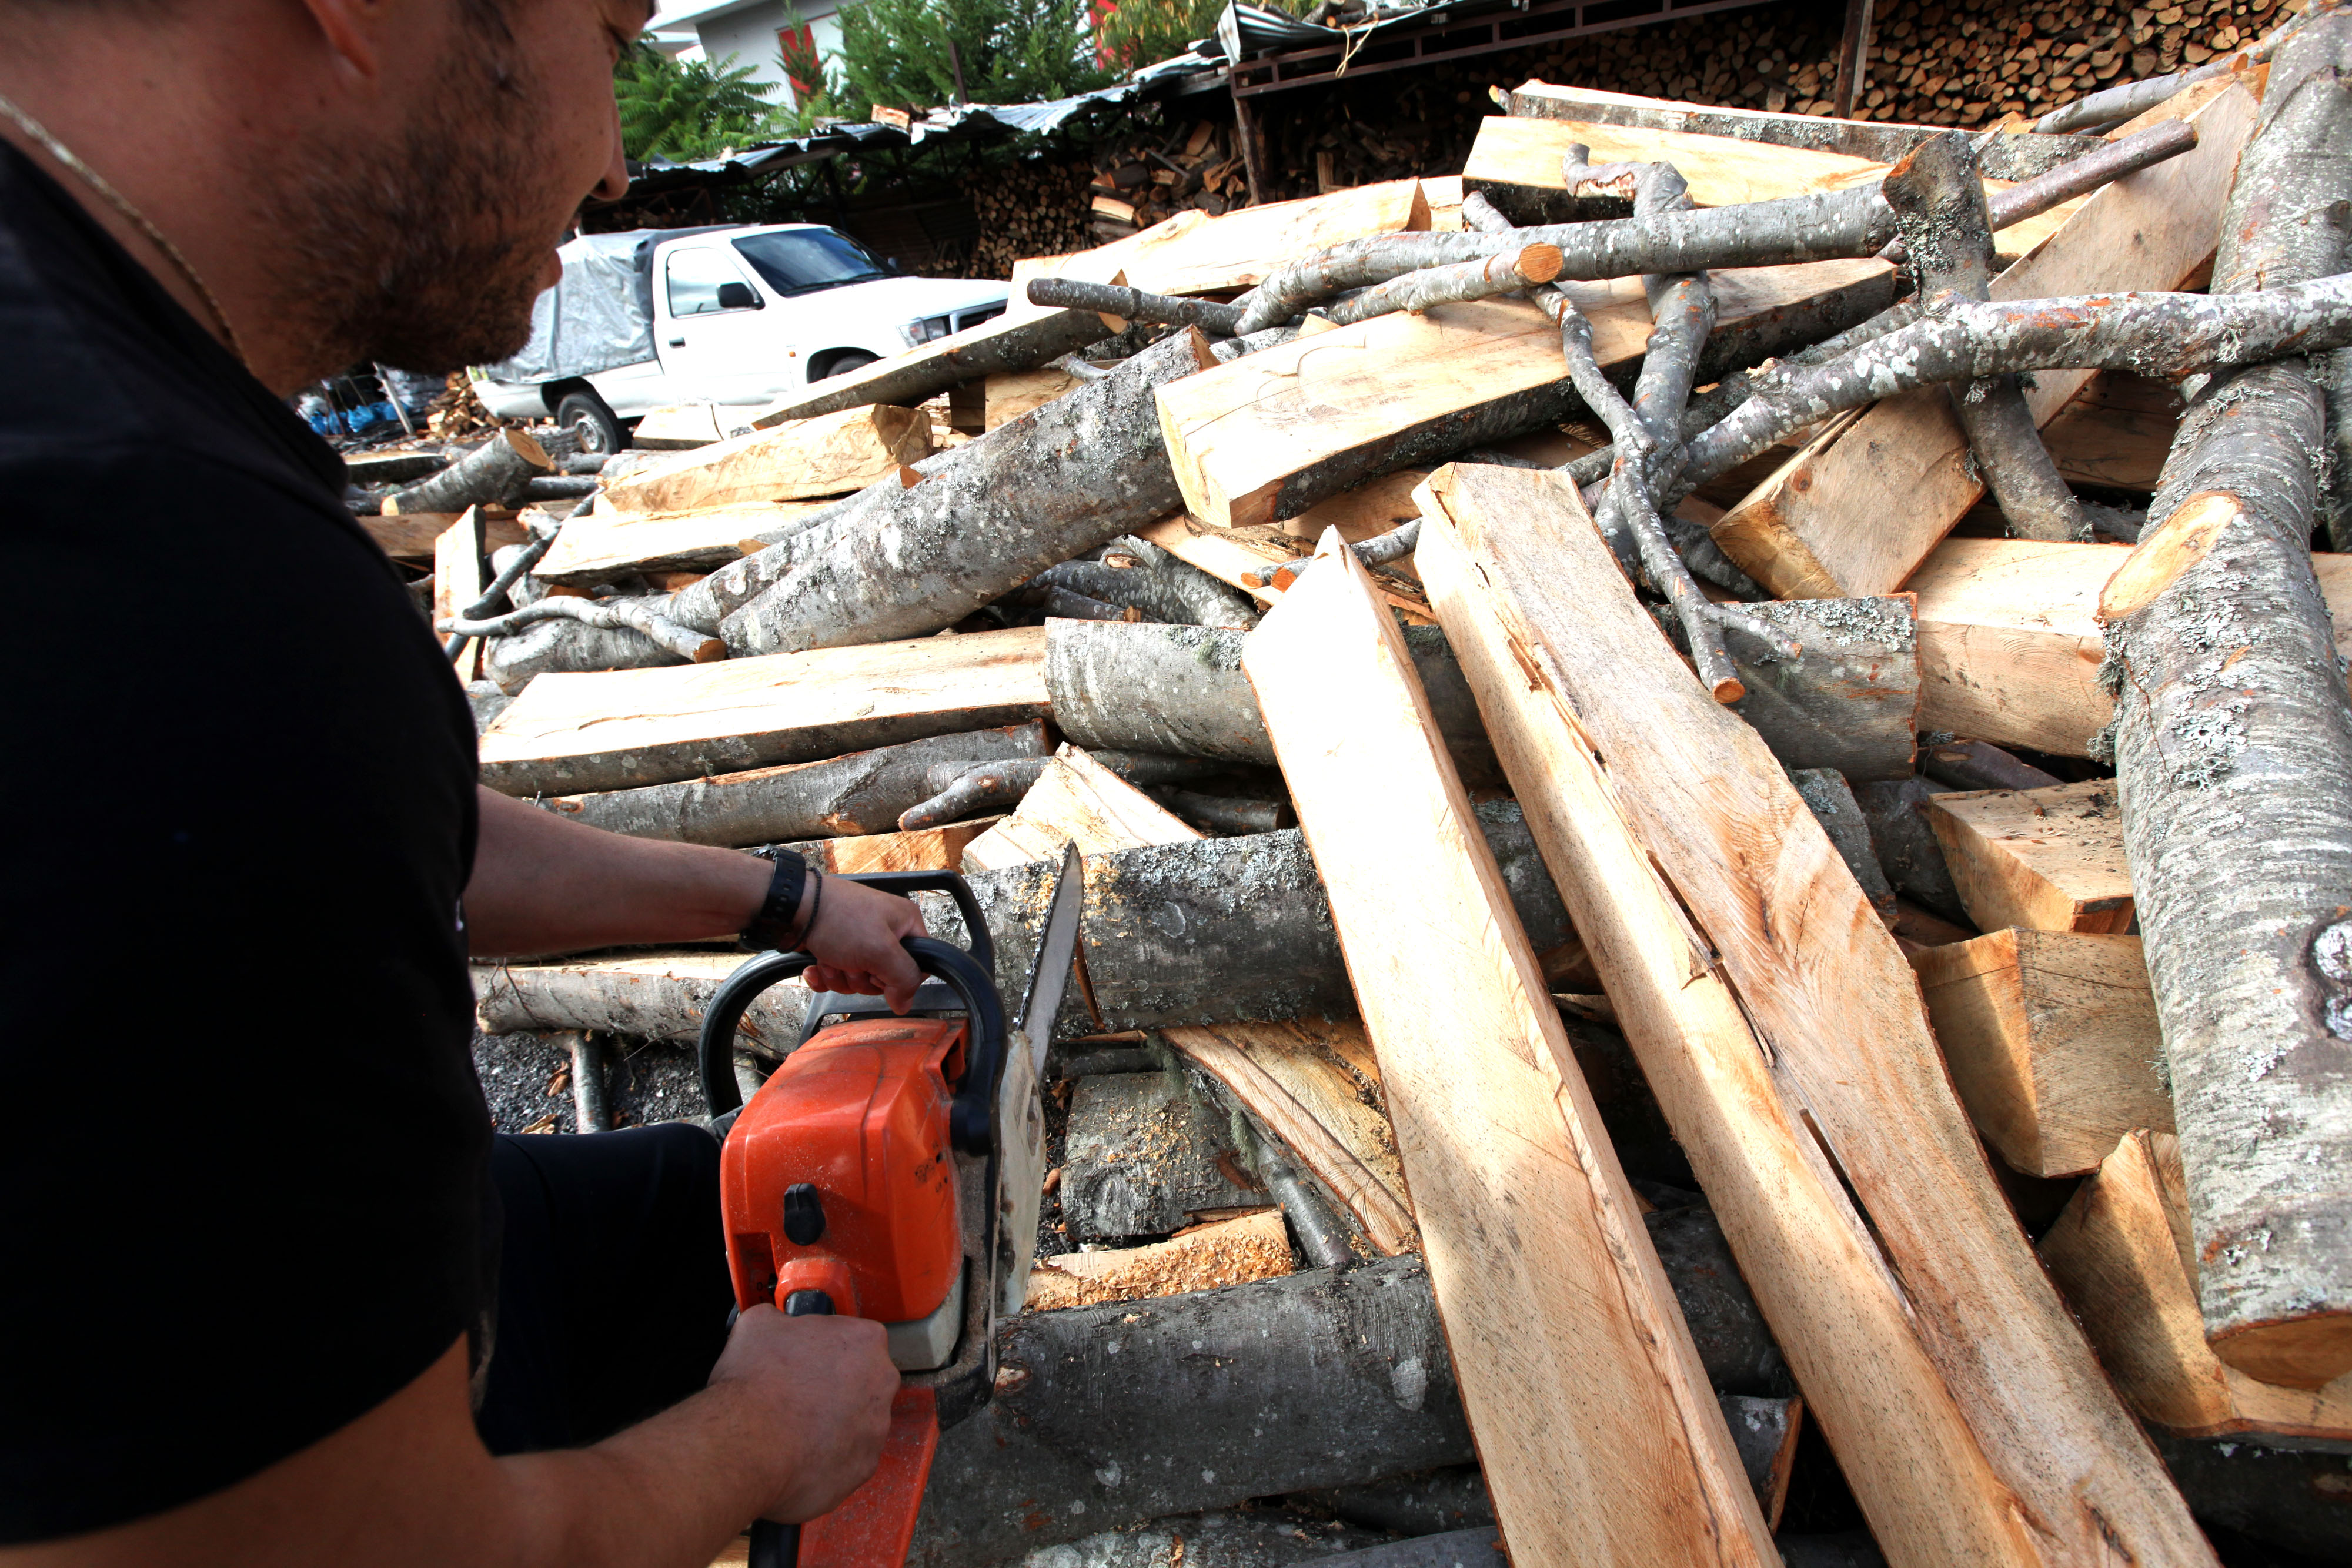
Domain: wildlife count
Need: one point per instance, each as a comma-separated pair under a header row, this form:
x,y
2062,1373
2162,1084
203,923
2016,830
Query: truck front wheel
x,y
599,427
841,364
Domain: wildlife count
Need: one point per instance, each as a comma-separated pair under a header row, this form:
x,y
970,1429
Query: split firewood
x,y
1009,342
2053,1042
2122,1253
644,617
931,849
457,582
2233,757
1131,571
1939,202
1506,273
986,517
1124,305
569,734
2126,100
1179,691
1321,1378
863,792
1965,1392
2047,860
795,460
493,473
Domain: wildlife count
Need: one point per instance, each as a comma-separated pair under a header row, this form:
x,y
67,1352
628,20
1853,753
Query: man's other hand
x,y
855,942
825,1385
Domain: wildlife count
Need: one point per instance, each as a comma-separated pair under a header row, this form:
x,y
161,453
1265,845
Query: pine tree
x,y
1142,31
687,109
895,52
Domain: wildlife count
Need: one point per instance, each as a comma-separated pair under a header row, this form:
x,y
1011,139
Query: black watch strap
x,y
773,928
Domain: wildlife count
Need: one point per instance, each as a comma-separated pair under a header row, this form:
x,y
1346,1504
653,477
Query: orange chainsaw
x,y
891,1169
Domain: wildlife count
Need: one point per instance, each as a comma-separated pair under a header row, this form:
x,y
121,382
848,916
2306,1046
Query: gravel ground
x,y
527,1081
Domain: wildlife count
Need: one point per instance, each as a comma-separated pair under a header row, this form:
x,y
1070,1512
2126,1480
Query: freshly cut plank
x,y
679,429
2009,644
2122,1253
409,537
1077,801
569,734
2115,432
1237,250
1019,340
1315,1085
2053,1042
1009,394
1857,516
925,849
1601,1440
1207,1257
2048,859
458,581
1267,435
1721,170
1964,1408
686,542
792,460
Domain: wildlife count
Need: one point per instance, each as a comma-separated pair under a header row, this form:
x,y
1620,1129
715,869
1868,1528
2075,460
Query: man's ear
x,y
351,29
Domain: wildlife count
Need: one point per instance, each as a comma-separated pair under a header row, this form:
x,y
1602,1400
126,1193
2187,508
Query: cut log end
x,y
709,651
2165,553
1539,262
2301,1353
1729,689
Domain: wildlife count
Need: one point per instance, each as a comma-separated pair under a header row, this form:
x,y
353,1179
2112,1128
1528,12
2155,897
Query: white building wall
x,y
750,34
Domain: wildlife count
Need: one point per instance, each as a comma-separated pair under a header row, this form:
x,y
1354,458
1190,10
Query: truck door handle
x,y
677,342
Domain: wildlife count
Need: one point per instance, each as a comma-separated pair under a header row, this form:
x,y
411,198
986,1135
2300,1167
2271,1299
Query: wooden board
x,y
2048,859
1443,194
1077,801
683,542
925,849
409,537
1009,394
1204,1258
569,734
800,459
2010,642
1721,170
2053,1042
1945,1373
458,581
1264,436
2122,1254
1600,1440
1316,1086
1857,516
2115,433
679,429
1237,250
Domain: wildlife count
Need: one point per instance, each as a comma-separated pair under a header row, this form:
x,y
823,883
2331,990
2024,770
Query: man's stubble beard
x,y
422,248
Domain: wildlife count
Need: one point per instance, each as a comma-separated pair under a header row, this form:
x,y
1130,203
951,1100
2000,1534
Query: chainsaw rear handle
x,y
971,1116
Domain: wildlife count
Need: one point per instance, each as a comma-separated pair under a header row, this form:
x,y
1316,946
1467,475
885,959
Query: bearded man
x,y
273,1292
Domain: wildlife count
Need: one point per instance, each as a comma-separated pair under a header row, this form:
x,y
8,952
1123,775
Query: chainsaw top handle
x,y
972,1113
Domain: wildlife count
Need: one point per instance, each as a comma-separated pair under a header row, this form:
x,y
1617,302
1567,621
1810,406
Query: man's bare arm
x,y
542,884
791,1422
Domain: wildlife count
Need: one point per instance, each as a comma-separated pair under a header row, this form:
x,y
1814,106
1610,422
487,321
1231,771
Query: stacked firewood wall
x,y
1932,62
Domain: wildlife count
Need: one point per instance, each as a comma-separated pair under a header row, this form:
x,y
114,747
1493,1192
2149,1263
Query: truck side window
x,y
694,276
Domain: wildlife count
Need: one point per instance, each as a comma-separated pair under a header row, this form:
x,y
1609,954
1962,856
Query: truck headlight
x,y
924,330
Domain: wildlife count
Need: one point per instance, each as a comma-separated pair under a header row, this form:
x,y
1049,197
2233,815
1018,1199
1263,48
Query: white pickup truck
x,y
738,315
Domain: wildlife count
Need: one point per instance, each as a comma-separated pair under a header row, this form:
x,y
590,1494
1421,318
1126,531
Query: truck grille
x,y
971,319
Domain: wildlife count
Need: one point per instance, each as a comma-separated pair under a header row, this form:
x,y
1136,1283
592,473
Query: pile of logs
x,y
1716,788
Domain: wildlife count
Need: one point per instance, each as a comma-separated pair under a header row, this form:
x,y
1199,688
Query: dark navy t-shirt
x,y
243,1171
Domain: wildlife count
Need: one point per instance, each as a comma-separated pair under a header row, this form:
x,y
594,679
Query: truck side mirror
x,y
738,296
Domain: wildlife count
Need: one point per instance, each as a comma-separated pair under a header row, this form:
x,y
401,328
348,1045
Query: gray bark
x,y
955,792
1114,1414
1818,227
2077,177
1226,813
496,470
1850,700
1939,200
392,467
1179,691
2233,760
1134,304
1110,1194
1025,347
2296,1501
1164,588
863,792
1237,1538
641,617
642,1007
568,647
1830,800
1734,1344
1059,603
1507,273
986,518
1980,764
2163,335
1906,846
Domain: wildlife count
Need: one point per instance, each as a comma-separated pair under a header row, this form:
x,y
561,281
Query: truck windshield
x,y
798,260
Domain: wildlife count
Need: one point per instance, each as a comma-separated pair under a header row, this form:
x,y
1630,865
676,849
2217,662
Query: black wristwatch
x,y
777,928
